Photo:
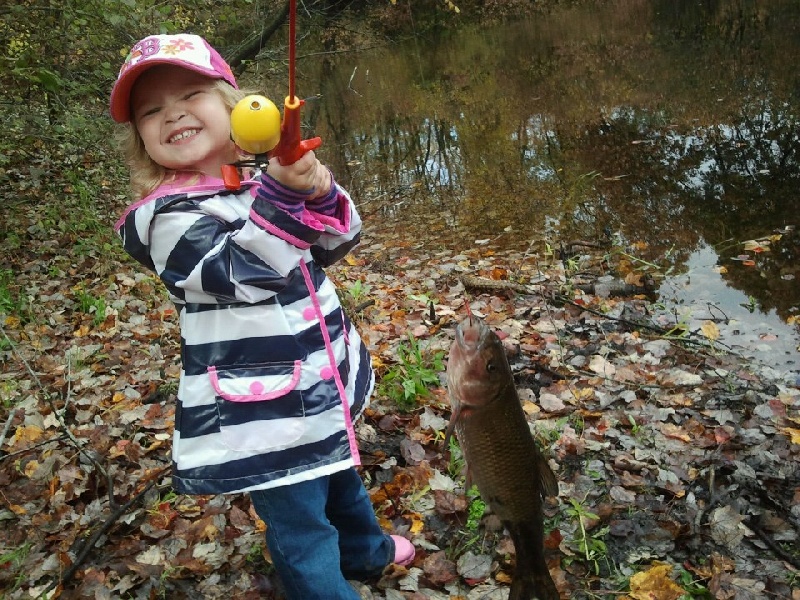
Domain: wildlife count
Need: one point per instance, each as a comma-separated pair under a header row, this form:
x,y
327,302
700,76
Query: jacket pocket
x,y
260,408
255,383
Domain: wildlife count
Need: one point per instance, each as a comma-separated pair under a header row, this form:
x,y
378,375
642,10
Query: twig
x,y
30,448
11,416
773,545
59,414
365,304
350,83
100,531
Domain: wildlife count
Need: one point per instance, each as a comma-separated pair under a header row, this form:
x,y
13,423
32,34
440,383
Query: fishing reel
x,y
256,124
256,127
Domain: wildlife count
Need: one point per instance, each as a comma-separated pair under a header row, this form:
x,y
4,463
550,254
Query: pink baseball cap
x,y
183,50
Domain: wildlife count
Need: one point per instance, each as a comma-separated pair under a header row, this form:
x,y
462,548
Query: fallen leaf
x,y
710,330
655,584
726,527
792,434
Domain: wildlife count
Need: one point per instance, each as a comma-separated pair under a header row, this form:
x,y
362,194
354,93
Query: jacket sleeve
x,y
334,215
204,256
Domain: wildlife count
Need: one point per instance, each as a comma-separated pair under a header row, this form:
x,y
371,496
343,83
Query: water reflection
x,y
670,124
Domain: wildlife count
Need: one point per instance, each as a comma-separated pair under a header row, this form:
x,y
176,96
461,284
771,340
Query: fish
x,y
502,457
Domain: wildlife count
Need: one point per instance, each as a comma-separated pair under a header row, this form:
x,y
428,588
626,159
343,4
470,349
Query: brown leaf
x,y
439,569
655,584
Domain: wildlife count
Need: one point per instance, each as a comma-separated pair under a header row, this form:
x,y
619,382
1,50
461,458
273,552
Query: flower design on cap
x,y
178,46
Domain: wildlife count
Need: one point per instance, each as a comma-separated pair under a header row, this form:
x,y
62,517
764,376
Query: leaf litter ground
x,y
677,459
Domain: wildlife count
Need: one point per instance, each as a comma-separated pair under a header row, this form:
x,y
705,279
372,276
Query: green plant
x,y
693,587
353,295
411,377
477,507
14,559
8,389
10,302
91,305
591,546
456,463
547,435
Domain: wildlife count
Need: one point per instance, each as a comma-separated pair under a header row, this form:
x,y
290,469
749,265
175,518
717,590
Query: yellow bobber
x,y
256,124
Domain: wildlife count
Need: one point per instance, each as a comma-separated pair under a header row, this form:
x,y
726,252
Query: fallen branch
x,y
491,285
60,415
12,415
100,531
772,544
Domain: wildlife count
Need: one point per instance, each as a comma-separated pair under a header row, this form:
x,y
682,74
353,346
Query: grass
x,y
411,378
14,560
11,303
91,305
591,546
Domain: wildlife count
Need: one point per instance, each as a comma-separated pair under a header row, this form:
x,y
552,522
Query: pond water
x,y
667,127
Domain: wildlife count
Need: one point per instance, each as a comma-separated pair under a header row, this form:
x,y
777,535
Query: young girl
x,y
273,372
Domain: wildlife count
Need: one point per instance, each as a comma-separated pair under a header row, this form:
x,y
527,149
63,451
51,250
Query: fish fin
x,y
547,479
451,427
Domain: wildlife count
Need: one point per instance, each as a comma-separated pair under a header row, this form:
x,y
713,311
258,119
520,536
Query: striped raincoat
x,y
273,372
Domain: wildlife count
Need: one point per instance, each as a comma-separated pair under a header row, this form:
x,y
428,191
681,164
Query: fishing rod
x,y
256,125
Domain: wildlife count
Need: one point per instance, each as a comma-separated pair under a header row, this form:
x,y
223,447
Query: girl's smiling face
x,y
183,122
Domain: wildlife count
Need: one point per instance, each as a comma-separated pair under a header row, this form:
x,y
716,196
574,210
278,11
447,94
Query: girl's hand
x,y
303,175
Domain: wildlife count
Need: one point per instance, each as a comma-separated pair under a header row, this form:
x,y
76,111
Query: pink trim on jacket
x,y
184,183
212,373
348,420
278,232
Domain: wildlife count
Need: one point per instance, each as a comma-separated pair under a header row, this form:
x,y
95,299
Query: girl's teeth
x,y
183,135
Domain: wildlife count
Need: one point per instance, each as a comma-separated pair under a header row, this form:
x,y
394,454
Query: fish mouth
x,y
471,333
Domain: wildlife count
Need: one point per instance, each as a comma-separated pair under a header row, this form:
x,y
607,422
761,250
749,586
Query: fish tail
x,y
533,588
532,580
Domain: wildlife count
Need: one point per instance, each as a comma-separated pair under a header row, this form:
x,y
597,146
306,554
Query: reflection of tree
x,y
588,123
711,184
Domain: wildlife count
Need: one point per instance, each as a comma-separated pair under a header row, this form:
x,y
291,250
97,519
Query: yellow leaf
x,y
655,584
17,509
710,330
794,434
673,431
27,434
634,278
757,246
417,524
30,468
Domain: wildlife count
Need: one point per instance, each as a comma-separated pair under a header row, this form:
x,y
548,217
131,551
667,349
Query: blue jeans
x,y
321,533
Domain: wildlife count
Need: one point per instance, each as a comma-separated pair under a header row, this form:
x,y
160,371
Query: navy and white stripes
x,y
273,371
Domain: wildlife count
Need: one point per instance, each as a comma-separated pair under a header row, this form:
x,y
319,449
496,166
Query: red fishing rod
x,y
291,145
256,125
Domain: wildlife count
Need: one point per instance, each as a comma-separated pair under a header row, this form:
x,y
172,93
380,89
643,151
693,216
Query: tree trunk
x,y
250,49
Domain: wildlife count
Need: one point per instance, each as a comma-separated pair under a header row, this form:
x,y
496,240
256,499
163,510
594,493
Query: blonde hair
x,y
146,174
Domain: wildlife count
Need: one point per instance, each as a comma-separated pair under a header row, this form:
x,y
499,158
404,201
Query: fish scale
x,y
502,457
